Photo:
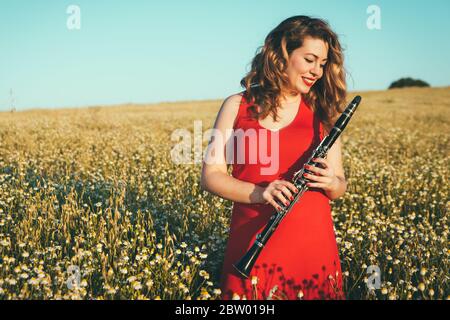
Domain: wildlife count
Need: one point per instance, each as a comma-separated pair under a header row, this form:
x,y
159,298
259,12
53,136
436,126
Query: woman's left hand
x,y
324,178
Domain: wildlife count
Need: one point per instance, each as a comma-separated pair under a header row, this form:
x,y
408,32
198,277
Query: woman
x,y
294,93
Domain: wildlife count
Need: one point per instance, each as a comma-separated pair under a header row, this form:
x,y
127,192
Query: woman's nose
x,y
316,70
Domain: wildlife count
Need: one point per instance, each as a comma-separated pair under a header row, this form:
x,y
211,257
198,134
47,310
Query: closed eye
x,y
311,61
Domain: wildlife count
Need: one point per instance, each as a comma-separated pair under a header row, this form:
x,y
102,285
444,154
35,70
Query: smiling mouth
x,y
309,82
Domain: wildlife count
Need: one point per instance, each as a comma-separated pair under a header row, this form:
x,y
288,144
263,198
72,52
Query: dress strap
x,y
241,111
321,130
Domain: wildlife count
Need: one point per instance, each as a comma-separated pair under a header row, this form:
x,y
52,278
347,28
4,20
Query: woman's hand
x,y
279,189
324,178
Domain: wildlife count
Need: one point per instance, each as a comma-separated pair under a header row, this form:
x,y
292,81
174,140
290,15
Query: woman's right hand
x,y
280,190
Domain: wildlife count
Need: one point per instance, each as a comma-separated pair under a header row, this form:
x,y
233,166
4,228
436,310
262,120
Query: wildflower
x,y
24,276
421,286
159,246
235,296
183,245
423,271
205,294
254,280
137,285
123,271
300,294
204,274
272,291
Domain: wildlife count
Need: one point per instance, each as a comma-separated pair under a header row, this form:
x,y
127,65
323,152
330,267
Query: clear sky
x,y
151,51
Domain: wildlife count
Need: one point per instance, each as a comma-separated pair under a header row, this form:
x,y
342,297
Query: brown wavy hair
x,y
267,78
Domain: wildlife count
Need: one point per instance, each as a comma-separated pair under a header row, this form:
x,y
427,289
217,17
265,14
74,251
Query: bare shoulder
x,y
229,111
232,102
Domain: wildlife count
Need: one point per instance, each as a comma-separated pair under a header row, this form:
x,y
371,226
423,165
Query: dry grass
x,y
96,188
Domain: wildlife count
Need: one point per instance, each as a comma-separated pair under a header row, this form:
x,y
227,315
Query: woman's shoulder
x,y
230,110
234,100
232,104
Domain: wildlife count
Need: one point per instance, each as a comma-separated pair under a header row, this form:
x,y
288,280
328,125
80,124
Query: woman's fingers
x,y
322,161
286,192
281,192
281,197
317,170
289,185
313,177
316,185
272,196
274,204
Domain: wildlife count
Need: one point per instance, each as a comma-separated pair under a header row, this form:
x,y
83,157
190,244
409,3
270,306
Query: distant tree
x,y
408,82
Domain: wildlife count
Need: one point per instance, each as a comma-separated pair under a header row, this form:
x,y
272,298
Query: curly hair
x,y
267,78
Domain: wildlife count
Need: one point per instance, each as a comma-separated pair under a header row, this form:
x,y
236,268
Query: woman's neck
x,y
287,99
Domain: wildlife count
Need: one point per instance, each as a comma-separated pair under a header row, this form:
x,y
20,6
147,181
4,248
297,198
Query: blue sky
x,y
152,51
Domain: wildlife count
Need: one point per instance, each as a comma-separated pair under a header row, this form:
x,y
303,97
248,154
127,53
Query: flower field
x,y
95,190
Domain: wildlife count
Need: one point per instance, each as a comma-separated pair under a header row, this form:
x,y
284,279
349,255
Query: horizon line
x,y
120,104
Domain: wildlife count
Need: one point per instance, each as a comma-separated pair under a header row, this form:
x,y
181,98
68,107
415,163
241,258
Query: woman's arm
x,y
334,157
214,177
330,177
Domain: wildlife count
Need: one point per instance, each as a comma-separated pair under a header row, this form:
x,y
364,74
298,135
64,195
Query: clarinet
x,y
245,264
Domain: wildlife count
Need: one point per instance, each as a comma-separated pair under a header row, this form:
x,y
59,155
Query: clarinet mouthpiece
x,y
356,100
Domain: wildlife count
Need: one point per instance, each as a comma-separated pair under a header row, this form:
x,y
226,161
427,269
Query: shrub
x,y
408,82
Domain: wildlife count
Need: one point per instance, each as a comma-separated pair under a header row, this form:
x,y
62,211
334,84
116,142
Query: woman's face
x,y
305,65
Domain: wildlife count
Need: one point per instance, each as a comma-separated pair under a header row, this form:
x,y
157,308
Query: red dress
x,y
301,259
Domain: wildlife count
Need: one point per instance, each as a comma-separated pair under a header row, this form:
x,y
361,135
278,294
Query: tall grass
x,y
96,188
